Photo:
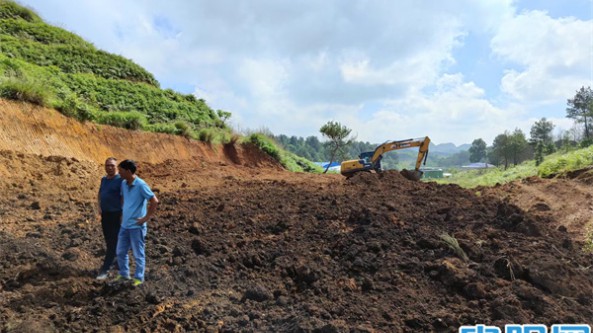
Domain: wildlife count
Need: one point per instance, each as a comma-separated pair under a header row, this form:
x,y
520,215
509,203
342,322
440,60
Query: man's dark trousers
x,y
110,221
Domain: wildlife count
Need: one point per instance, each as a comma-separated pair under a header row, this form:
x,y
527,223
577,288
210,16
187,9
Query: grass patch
x,y
453,244
184,129
555,164
25,91
71,106
559,163
490,176
40,32
167,128
128,120
73,58
288,160
266,144
12,10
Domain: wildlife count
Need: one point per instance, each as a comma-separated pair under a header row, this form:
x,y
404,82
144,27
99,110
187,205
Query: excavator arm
x,y
403,144
366,162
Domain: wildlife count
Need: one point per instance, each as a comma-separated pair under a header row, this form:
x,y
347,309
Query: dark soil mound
x,y
269,251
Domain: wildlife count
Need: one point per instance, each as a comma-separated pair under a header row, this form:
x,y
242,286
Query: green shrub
x,y
235,138
226,136
74,58
558,163
586,143
184,129
162,128
26,91
130,120
85,113
266,144
12,10
121,95
206,135
287,159
490,176
554,164
71,106
41,32
307,166
76,93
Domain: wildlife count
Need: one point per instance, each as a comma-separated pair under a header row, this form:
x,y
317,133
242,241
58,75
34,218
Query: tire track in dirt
x,y
566,202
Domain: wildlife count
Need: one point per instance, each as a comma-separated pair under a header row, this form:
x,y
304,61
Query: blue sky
x,y
452,70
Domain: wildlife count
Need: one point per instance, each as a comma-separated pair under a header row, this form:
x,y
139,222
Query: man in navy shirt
x,y
136,194
109,200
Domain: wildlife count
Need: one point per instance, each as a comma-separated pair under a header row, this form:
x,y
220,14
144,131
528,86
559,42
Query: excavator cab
x,y
365,157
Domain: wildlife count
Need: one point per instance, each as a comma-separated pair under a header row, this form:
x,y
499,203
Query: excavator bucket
x,y
414,175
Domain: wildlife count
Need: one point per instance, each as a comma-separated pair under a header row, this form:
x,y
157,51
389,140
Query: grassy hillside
x,y
555,164
290,161
52,67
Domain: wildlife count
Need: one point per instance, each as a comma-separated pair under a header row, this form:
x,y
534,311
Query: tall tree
x,y
509,148
519,149
294,141
313,142
492,156
223,115
580,108
477,151
338,135
541,133
315,148
539,153
283,139
501,153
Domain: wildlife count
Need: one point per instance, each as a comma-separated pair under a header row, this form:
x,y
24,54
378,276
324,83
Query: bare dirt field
x,y
240,245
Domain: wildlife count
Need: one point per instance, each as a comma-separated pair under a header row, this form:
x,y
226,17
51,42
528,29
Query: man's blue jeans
x,y
134,239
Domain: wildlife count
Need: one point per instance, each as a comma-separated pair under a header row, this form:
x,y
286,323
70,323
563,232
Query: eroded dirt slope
x,y
31,129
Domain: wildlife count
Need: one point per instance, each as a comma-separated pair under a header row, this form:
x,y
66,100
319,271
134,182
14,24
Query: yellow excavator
x,y
371,160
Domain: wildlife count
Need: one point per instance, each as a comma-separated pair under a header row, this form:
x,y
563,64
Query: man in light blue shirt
x,y
132,234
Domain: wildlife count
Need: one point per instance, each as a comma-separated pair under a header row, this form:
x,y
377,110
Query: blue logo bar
x,y
571,329
537,328
479,329
528,328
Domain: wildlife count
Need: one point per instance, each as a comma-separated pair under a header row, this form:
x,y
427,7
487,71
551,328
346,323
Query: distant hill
x,y
448,148
52,67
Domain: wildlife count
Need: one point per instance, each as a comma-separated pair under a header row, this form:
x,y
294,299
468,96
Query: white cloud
x,y
382,68
455,109
552,56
